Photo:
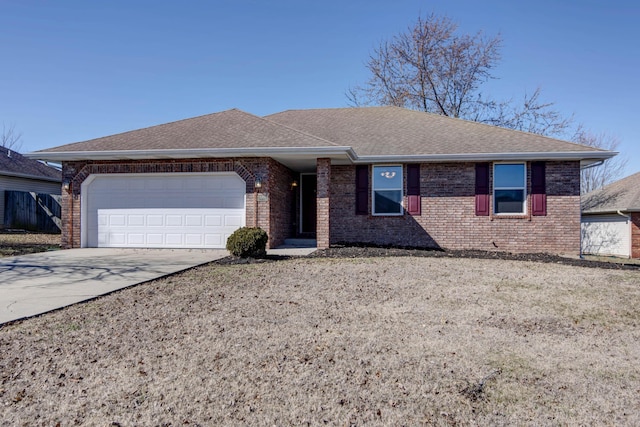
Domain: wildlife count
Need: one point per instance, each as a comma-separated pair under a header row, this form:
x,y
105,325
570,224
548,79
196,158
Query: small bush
x,y
248,242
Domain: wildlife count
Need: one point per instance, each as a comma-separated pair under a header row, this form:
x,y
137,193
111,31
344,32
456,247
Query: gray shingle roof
x,y
622,195
380,131
15,164
374,134
226,129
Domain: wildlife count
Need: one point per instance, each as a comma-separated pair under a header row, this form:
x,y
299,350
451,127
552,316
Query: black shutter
x,y
362,190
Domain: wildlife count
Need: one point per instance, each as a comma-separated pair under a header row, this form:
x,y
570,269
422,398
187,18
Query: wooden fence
x,y
32,211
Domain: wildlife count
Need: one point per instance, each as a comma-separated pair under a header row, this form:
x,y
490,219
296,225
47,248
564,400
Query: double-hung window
x,y
387,190
509,188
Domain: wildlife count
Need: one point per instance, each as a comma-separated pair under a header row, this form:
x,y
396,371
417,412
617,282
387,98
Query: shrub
x,y
248,242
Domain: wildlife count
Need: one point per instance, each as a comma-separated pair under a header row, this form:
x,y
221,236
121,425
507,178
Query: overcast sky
x,y
76,70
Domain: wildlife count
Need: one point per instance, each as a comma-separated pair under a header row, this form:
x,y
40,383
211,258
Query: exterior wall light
x,y
66,185
258,183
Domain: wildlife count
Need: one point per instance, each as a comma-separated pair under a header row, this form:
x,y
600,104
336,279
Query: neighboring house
x,y
611,219
19,173
380,175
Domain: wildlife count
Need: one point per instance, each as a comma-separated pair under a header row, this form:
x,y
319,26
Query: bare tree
x,y
612,169
10,138
532,115
432,68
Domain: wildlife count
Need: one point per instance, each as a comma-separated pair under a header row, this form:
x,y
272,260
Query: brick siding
x,y
323,202
635,235
260,211
448,217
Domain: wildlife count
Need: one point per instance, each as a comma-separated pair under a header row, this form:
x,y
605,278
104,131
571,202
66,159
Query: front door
x,y
308,203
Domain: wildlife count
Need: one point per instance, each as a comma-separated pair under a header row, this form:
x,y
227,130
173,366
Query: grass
x,y
22,243
373,341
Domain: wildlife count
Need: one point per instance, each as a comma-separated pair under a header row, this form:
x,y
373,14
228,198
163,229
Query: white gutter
x,y
475,157
339,151
57,156
27,176
592,165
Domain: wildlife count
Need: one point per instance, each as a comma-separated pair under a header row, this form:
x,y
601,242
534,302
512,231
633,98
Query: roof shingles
x,y
15,164
226,129
370,132
622,195
381,131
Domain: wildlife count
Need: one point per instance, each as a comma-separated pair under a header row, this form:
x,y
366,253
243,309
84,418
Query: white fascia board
x,y
340,152
487,157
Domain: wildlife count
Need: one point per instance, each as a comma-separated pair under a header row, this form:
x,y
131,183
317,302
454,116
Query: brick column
x,y
323,170
635,235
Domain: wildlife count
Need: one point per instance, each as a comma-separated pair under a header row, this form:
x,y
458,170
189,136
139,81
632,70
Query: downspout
x,y
592,165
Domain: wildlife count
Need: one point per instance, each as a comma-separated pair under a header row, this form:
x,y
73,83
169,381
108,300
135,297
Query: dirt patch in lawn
x,y
18,242
361,341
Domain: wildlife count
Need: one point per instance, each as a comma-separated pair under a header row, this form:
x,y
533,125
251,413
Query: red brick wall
x,y
324,202
448,217
635,235
259,209
281,197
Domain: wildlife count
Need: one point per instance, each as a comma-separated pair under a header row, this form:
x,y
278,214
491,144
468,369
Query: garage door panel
x,y
136,220
134,239
195,240
213,220
193,220
163,210
154,239
174,239
155,220
214,240
233,220
173,220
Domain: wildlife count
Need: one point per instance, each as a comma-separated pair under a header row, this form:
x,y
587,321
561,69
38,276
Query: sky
x,y
76,70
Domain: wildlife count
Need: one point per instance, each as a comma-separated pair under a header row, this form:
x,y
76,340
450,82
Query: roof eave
x,y
28,176
343,152
61,156
610,211
582,156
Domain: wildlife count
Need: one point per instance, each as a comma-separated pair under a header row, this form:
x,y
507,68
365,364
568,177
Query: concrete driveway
x,y
37,283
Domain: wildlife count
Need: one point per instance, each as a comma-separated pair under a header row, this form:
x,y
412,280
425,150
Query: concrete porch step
x,y
300,243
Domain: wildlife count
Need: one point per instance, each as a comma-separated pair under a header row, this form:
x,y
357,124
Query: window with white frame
x,y
387,190
509,188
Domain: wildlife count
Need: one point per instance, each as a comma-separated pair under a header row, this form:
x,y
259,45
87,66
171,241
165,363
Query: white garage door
x,y
162,210
606,235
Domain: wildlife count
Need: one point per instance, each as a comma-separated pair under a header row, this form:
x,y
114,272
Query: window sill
x,y
509,216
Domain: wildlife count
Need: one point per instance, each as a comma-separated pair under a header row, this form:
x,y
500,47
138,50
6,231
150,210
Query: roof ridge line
x,y
335,144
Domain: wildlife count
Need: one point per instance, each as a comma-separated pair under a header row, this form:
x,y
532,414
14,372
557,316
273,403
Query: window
x,y
387,190
509,188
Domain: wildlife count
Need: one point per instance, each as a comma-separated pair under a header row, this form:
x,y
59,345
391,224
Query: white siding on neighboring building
x,y
12,183
606,235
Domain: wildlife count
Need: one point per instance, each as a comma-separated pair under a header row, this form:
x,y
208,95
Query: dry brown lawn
x,y
20,243
370,341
